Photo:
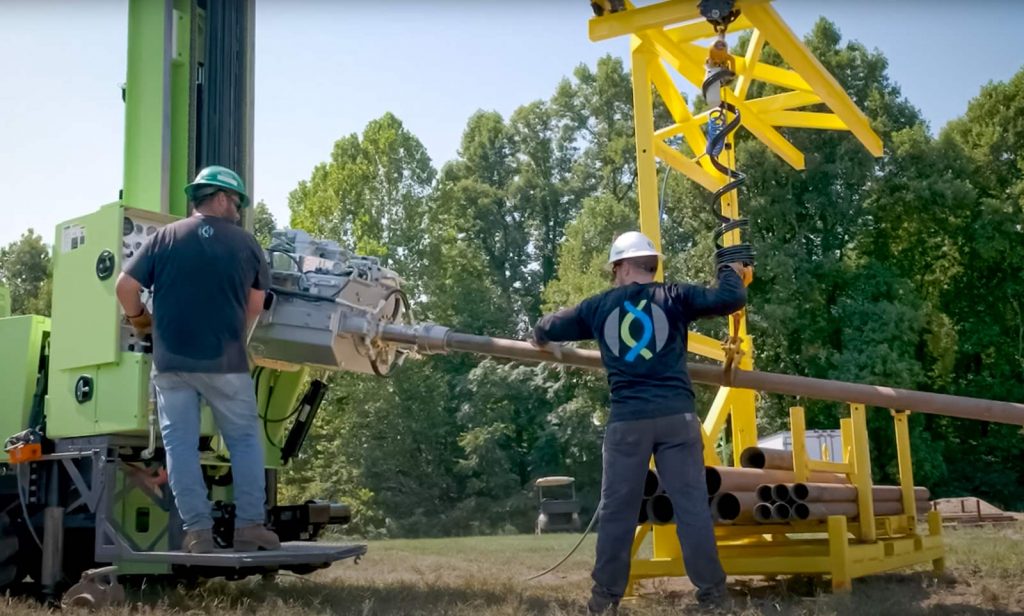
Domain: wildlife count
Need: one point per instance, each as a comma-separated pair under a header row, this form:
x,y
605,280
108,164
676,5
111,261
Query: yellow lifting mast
x,y
665,36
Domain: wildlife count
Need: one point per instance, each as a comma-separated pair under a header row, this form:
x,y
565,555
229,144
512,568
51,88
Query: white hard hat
x,y
629,245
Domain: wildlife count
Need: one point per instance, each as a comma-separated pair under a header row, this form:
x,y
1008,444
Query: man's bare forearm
x,y
128,295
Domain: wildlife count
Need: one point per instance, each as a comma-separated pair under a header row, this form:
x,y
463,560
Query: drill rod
x,y
435,339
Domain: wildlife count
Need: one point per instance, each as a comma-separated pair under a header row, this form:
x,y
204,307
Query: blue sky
x,y
325,68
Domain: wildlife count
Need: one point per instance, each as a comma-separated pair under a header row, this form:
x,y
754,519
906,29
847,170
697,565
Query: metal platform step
x,y
290,554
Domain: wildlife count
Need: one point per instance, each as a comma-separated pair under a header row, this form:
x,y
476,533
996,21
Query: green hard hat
x,y
216,177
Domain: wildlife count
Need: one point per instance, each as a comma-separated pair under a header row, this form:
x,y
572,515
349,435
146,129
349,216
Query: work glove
x,y
745,272
142,323
555,348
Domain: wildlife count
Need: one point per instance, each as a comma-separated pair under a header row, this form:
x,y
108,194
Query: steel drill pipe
x,y
428,338
781,492
763,457
735,507
728,479
822,492
781,512
764,492
652,483
821,511
831,493
895,493
660,510
763,513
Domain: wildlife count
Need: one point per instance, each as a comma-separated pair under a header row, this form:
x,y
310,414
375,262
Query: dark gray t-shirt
x,y
200,270
642,330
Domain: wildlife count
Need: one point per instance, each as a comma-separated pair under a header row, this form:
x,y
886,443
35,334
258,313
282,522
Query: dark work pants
x,y
678,449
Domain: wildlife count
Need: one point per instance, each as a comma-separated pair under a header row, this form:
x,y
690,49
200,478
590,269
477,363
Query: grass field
x,y
484,575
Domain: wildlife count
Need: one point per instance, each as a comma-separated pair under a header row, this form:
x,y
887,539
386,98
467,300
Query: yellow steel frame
x,y
664,36
836,547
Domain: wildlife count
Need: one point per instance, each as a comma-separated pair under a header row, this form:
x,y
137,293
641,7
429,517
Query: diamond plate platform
x,y
290,554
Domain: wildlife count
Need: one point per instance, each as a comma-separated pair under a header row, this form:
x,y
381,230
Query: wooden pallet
x,y
971,511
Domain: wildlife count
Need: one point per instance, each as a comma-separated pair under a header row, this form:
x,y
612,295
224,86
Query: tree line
x,y
899,271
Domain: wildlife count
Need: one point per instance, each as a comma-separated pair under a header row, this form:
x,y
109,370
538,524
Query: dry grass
x,y
484,575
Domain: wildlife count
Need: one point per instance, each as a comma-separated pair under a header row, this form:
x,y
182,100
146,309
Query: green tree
x,y
585,250
595,109
503,417
991,359
263,223
982,294
547,188
373,197
26,270
475,201
372,194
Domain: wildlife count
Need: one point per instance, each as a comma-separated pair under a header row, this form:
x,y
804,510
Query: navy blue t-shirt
x,y
642,330
200,270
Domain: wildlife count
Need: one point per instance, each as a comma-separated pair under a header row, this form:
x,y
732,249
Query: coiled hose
x,y
719,128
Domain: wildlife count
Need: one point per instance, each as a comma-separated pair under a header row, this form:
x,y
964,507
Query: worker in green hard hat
x,y
216,180
209,279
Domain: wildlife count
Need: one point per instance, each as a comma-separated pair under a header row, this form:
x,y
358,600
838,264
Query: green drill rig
x,y
84,466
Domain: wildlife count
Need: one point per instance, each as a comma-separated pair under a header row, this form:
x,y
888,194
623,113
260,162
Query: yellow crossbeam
x,y
783,102
670,131
772,138
683,59
687,59
781,77
804,119
705,346
698,30
767,73
644,18
677,107
782,39
669,93
746,76
687,167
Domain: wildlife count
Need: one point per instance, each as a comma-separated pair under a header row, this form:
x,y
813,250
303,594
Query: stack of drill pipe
x,y
772,505
817,501
726,507
748,495
728,479
733,492
656,508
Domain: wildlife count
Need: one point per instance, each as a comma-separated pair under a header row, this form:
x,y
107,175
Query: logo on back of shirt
x,y
623,323
205,231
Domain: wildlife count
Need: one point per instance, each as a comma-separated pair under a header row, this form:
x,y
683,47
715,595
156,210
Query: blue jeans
x,y
233,400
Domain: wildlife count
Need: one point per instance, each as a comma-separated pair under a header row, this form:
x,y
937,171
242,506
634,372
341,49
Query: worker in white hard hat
x,y
641,328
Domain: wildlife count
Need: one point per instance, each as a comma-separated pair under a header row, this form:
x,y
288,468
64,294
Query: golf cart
x,y
559,509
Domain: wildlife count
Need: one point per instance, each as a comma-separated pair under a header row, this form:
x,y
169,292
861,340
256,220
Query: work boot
x,y
603,606
198,542
254,538
713,600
